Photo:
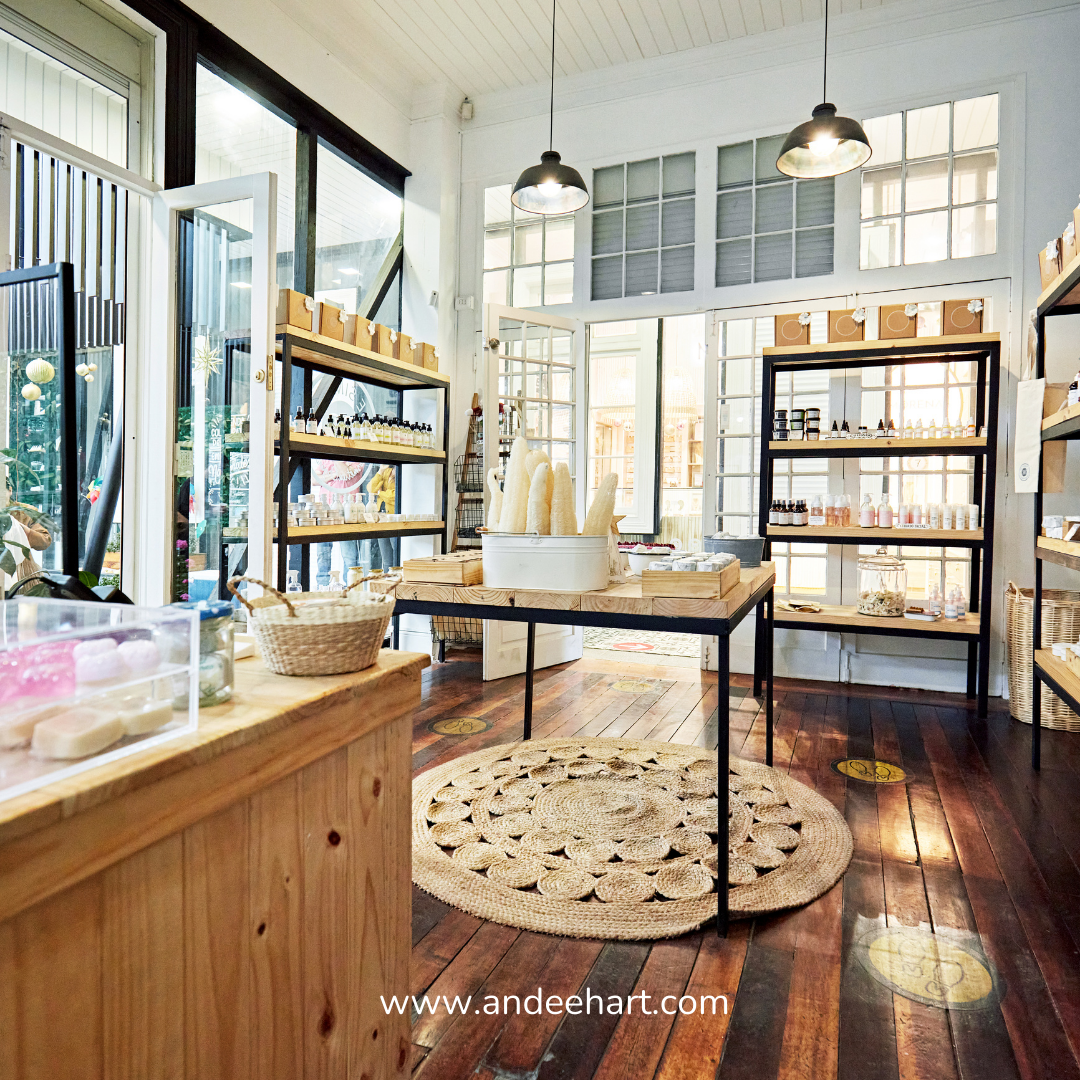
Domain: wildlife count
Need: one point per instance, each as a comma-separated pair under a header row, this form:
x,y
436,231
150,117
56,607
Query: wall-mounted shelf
x,y
1061,678
984,350
1062,552
335,449
1064,424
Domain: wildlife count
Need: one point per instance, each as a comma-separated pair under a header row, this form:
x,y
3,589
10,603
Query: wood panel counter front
x,y
230,905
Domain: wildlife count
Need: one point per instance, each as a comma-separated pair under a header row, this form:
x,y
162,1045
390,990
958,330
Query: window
x,y
643,227
768,226
931,193
236,136
528,258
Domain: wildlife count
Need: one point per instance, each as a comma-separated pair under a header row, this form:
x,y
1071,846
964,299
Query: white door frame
x,y
154,404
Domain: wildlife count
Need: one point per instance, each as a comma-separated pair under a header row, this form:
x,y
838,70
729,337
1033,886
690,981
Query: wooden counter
x,y
231,904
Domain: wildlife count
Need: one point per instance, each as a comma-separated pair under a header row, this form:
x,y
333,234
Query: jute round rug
x,y
616,838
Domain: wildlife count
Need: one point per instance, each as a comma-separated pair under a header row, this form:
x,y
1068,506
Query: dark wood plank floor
x,y
975,843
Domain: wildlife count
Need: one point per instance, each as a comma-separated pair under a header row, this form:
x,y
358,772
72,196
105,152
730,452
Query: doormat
x,y
459,725
616,838
655,643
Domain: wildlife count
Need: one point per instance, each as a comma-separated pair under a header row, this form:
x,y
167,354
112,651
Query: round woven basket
x,y
1060,622
309,634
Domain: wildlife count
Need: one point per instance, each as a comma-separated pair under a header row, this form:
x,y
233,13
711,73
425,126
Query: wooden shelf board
x,y
332,445
853,534
389,370
1062,674
847,617
1062,416
1062,552
316,534
885,345
1072,296
892,447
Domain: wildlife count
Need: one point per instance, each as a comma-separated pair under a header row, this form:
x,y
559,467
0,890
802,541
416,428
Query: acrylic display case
x,y
84,684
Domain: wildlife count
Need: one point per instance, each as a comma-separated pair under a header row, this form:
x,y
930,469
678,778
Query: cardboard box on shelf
x,y
895,322
842,327
1055,397
425,356
328,321
1049,262
403,348
383,339
1068,245
294,309
790,331
348,327
362,332
960,319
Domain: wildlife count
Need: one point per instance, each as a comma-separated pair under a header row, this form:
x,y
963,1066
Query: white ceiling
x,y
484,46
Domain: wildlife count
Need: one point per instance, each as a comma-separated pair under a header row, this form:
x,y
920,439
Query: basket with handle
x,y
1060,622
313,634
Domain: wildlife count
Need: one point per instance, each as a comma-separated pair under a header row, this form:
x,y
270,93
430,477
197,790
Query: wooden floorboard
x,y
973,847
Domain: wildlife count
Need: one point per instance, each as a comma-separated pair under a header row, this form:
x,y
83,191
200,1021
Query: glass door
x,y
213,401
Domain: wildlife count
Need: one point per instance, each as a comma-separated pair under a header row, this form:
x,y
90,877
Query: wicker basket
x,y
309,634
1060,622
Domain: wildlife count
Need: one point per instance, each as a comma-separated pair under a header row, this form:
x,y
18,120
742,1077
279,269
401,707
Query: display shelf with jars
x,y
909,609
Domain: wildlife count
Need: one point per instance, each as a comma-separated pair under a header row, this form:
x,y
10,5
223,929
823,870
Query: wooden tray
x,y
457,568
691,584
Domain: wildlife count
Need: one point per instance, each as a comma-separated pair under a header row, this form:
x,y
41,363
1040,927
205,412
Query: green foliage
x,y
88,579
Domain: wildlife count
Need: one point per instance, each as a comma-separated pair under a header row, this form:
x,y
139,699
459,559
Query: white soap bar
x,y
16,728
659,564
684,564
76,733
1058,649
146,717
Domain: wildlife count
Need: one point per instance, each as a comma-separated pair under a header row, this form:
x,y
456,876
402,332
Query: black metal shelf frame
x,y
871,449
987,357
369,372
1068,430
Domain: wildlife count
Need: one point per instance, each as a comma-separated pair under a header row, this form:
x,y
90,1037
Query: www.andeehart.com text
x,y
554,1005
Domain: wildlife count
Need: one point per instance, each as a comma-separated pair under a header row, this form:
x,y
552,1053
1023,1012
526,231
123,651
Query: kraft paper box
x,y
1049,262
294,309
842,327
424,356
328,321
1068,245
1055,397
960,319
348,328
894,322
362,333
789,331
403,348
383,339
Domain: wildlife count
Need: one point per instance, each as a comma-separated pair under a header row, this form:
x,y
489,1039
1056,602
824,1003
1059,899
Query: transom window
x,y
768,226
931,191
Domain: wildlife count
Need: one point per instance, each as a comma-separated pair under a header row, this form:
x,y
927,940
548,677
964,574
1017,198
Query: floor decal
x,y
870,771
459,725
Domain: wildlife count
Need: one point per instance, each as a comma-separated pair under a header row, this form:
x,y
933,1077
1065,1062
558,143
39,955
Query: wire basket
x,y
470,518
456,631
469,470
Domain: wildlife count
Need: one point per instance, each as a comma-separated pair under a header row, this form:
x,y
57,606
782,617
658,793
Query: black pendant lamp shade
x,y
828,145
550,187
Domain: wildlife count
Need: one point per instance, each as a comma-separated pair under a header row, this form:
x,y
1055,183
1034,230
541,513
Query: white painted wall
x,y
905,55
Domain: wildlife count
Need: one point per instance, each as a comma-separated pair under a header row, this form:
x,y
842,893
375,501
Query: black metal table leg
x,y
770,610
530,656
723,666
760,645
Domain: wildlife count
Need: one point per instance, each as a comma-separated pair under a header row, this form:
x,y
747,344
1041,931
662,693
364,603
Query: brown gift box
x,y
958,319
403,348
328,321
789,331
294,309
842,327
363,333
382,338
1068,245
348,329
424,356
1049,264
894,322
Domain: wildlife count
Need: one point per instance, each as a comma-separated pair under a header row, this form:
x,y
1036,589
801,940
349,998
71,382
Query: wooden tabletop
x,y
264,705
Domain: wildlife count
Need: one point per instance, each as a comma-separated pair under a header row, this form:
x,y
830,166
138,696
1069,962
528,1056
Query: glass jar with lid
x,y
882,585
215,649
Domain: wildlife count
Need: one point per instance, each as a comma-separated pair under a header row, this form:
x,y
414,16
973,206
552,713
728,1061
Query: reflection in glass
x,y
926,237
886,138
881,192
928,131
927,185
974,230
975,122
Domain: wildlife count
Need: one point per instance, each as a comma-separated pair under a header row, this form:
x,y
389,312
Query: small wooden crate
x,y
425,356
457,568
294,309
691,584
362,333
383,339
329,321
403,348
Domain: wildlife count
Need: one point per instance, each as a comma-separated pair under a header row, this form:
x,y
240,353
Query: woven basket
x,y
309,634
1060,622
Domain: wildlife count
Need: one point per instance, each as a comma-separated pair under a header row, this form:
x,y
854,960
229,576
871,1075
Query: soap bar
x,y
17,727
146,717
76,733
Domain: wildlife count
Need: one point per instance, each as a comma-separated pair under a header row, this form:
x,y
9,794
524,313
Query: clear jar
x,y
882,585
215,650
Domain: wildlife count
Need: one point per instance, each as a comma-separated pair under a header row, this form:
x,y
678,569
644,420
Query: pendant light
x,y
550,187
827,145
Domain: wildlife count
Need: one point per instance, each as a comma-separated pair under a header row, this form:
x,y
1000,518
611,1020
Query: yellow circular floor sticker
x,y
459,725
633,686
928,968
870,771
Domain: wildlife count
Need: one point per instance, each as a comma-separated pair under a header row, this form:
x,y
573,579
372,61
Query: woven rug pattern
x,y
653,642
616,838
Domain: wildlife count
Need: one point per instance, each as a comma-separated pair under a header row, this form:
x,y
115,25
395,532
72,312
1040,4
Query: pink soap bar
x,y
101,668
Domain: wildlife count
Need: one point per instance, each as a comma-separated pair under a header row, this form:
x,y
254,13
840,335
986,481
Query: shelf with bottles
x,y
360,438
885,440
1065,423
832,519
318,534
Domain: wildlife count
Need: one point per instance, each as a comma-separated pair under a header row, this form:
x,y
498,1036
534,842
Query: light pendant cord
x,y
551,127
825,59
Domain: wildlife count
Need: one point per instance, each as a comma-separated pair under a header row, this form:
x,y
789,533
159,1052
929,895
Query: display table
x,y
621,607
231,904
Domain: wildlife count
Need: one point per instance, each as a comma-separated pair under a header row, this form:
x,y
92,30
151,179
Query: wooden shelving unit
x,y
1060,297
984,350
312,352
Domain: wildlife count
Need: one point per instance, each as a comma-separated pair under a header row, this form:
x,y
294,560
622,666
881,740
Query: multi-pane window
x,y
643,227
768,226
931,191
528,258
